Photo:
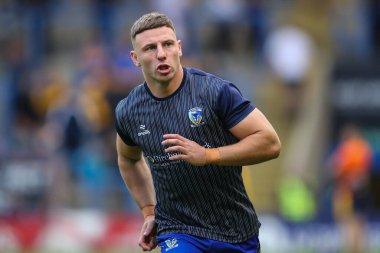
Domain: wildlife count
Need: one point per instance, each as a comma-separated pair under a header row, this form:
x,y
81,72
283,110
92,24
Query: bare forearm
x,y
138,179
253,149
258,143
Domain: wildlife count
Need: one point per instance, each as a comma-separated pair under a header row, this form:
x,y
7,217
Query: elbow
x,y
276,148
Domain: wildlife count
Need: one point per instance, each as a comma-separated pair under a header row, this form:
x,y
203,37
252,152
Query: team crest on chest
x,y
196,116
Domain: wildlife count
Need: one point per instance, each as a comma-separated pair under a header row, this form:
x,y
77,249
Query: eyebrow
x,y
154,44
148,45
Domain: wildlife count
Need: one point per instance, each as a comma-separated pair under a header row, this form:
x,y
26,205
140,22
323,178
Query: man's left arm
x,y
258,142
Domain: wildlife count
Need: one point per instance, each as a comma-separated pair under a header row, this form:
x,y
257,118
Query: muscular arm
x,y
135,173
258,142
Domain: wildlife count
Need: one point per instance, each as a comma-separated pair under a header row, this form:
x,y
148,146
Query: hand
x,y
188,150
147,240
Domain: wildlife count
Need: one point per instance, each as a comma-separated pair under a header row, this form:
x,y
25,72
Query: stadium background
x,y
310,66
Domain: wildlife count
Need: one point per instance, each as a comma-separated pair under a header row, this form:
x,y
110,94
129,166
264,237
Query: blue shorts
x,y
184,243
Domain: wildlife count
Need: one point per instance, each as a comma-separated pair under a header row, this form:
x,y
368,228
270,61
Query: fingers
x,y
174,136
147,240
176,143
184,149
151,244
173,139
175,149
178,157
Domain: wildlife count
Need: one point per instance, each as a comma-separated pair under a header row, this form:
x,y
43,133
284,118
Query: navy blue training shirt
x,y
206,201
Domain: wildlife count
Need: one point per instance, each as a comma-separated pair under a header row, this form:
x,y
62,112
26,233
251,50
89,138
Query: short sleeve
x,y
232,107
121,129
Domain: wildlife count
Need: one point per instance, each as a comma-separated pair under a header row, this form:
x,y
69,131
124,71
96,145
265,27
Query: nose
x,y
161,54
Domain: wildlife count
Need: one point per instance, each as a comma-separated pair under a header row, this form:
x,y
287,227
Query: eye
x,y
149,48
168,44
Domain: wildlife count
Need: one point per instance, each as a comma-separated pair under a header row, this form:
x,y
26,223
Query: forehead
x,y
154,36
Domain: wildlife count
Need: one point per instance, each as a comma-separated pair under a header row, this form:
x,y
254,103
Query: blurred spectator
x,y
297,202
289,51
351,163
258,24
225,30
47,90
350,29
93,79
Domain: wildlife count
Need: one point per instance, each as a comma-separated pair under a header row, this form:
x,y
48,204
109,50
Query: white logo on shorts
x,y
171,244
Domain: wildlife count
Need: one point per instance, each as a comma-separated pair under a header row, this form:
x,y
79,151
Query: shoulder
x,y
197,72
124,104
134,94
206,80
193,72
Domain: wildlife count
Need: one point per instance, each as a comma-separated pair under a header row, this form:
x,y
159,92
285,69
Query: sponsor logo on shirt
x,y
162,160
196,116
143,131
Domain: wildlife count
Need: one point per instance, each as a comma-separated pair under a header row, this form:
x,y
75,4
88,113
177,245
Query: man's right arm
x,y
137,177
135,173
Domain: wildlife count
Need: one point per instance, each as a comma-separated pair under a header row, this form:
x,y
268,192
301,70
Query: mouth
x,y
163,68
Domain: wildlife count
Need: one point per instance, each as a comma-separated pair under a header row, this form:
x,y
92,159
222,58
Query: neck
x,y
165,89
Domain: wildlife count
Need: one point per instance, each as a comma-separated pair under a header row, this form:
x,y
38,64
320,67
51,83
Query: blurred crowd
x,y
64,65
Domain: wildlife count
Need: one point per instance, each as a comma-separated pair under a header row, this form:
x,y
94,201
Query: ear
x,y
134,59
180,47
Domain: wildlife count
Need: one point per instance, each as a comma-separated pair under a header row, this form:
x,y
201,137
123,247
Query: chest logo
x,y
196,116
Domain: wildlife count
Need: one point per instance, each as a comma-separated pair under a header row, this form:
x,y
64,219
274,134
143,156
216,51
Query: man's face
x,y
158,52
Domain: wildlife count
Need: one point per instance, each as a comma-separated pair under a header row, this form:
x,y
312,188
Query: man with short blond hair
x,y
196,131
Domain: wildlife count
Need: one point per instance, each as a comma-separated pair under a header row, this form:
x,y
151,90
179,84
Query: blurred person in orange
x,y
351,162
